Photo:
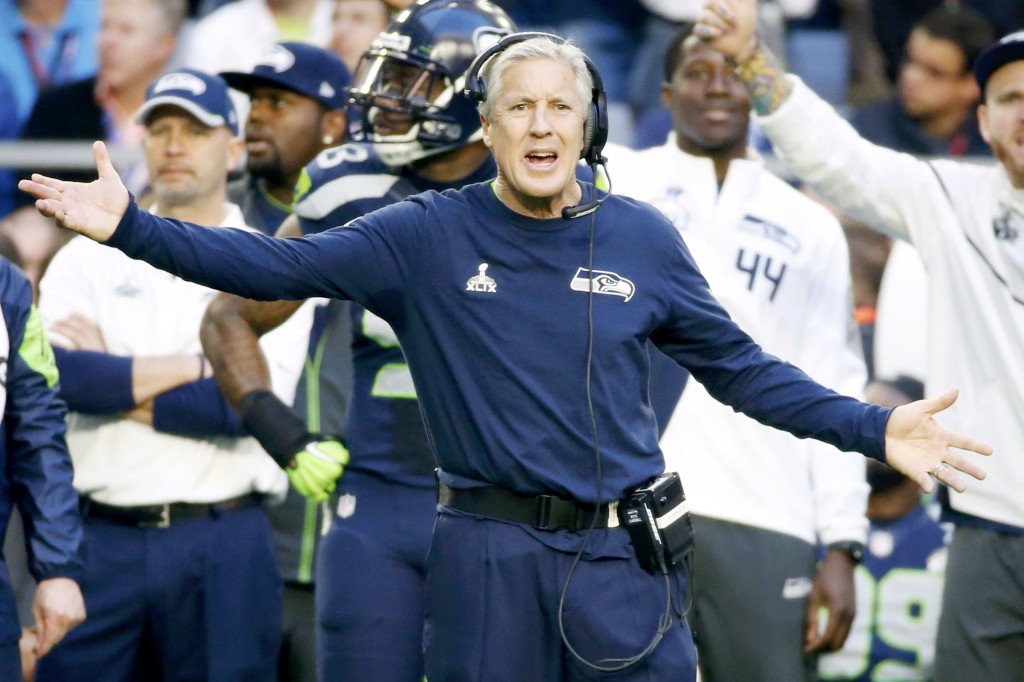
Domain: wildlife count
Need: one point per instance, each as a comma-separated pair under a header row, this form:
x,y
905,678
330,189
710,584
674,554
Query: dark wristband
x,y
280,431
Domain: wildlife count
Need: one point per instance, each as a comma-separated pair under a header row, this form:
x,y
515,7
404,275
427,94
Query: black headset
x,y
595,128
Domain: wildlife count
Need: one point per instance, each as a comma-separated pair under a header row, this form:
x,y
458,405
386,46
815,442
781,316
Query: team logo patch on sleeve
x,y
481,282
604,283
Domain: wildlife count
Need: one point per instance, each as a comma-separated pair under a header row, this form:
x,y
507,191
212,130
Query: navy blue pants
x,y
370,582
200,600
492,607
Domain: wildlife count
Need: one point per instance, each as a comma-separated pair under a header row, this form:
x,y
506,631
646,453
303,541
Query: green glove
x,y
317,468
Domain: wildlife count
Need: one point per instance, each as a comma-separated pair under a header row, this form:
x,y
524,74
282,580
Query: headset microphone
x,y
570,212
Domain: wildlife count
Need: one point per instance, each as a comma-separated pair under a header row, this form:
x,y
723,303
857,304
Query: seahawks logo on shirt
x,y
604,283
770,231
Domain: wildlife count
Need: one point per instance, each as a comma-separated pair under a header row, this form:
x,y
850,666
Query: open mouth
x,y
541,160
257,145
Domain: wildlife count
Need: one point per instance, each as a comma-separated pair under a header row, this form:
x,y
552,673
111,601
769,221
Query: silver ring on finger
x,y
937,470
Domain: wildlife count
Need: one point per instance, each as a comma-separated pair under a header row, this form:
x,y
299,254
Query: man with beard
x,y
297,94
899,583
180,577
777,262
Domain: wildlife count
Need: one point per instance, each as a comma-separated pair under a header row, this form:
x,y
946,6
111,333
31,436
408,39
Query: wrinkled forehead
x,y
540,76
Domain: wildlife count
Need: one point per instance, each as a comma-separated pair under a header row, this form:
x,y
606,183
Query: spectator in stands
x,y
899,582
297,95
894,19
356,24
932,113
9,129
46,43
136,41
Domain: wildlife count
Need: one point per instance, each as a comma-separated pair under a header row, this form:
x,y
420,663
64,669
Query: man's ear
x,y
485,127
333,126
983,123
666,96
236,145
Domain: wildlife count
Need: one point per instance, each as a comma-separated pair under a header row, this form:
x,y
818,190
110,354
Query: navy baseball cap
x,y
203,95
311,71
1009,49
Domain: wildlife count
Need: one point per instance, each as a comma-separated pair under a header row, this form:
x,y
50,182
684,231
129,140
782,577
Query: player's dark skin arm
x,y
231,330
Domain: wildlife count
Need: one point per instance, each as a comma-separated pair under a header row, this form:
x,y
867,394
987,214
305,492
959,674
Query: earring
x,y
328,139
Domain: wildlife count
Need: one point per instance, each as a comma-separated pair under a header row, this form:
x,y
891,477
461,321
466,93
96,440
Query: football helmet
x,y
408,97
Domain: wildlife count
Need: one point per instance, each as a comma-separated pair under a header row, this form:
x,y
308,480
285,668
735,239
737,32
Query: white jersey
x,y
966,222
778,263
142,311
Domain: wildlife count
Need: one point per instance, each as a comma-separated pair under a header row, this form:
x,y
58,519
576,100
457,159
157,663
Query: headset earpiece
x,y
595,130
588,130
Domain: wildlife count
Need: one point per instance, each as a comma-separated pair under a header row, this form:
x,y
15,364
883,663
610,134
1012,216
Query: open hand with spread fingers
x,y
920,447
93,209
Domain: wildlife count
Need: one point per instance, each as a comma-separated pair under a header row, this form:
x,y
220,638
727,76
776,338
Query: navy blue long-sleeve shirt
x,y
490,308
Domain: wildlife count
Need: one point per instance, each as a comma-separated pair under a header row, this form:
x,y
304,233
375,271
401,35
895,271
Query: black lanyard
x,y
56,71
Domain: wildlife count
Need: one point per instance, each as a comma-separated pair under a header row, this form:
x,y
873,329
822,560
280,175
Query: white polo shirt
x,y
143,311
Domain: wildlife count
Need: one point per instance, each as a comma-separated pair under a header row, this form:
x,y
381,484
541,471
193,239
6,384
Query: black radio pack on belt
x,y
658,520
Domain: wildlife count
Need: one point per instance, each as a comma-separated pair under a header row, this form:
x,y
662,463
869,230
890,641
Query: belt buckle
x,y
542,512
164,521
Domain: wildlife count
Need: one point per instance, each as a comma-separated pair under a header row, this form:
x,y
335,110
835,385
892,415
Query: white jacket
x,y
966,222
758,230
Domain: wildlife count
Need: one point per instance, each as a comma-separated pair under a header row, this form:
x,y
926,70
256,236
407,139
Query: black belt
x,y
543,512
163,515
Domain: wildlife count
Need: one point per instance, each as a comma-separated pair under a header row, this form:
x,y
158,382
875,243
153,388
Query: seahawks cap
x,y
310,71
201,94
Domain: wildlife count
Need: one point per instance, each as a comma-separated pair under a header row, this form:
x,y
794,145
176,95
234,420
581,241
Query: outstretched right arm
x,y
353,263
